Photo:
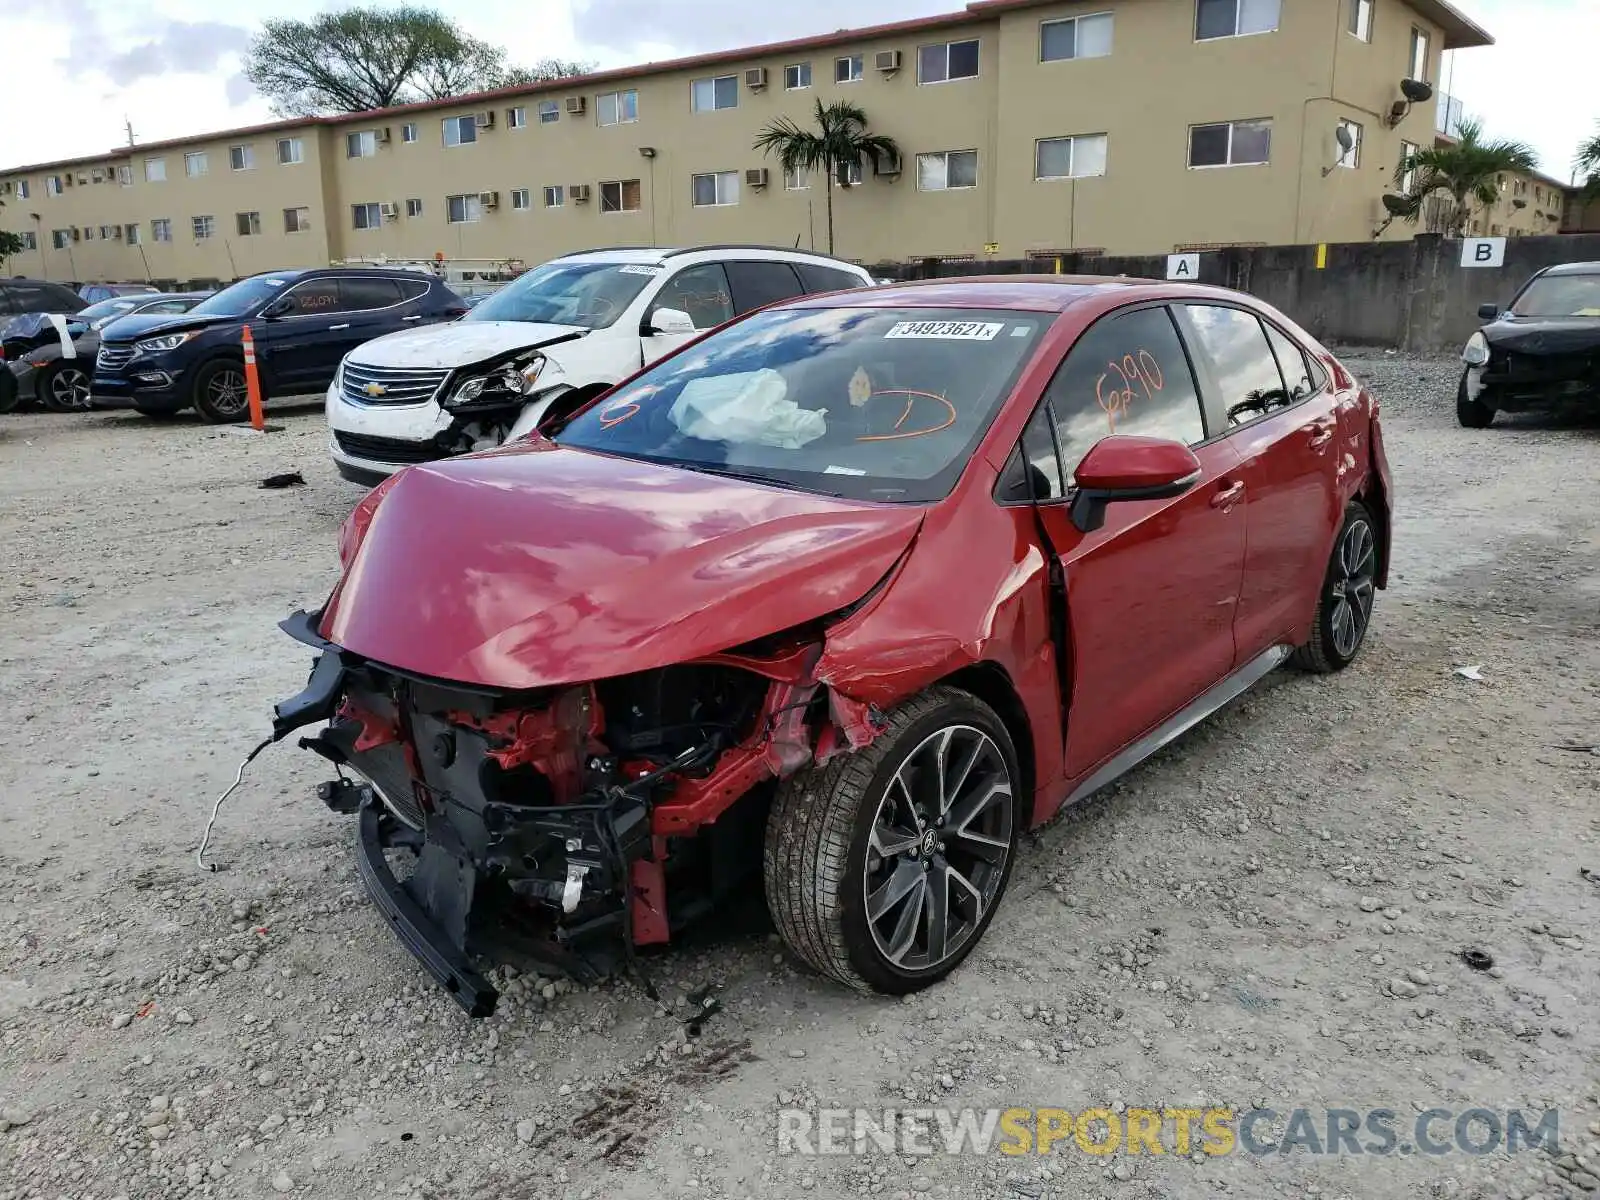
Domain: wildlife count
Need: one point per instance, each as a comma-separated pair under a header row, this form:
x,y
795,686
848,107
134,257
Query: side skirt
x,y
1185,719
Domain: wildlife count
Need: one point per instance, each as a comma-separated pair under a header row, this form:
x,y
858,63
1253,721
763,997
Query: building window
x,y
520,200
549,112
1231,144
61,238
618,108
947,171
797,179
195,165
711,191
52,185
1076,37
203,227
555,197
1419,54
30,242
249,223
847,69
361,145
22,189
1361,19
296,220
851,173
460,131
105,230
161,230
124,177
365,216
98,175
1234,18
1070,157
155,170
620,195
408,132
1408,157
290,151
517,118
462,210
797,76
131,234
241,158
413,208
947,61
1351,157
708,95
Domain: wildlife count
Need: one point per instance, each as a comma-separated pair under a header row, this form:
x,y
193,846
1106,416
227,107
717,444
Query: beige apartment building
x,y
1027,127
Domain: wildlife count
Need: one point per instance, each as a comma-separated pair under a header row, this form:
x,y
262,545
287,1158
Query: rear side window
x,y
826,279
1127,374
359,294
1300,376
1235,347
6,309
759,283
413,289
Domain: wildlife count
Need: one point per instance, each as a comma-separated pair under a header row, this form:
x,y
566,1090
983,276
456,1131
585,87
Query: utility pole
x,y
128,125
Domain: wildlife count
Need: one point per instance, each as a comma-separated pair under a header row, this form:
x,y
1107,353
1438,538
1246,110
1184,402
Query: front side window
x,y
620,195
241,158
1127,374
947,170
1361,19
549,112
947,61
161,230
847,69
311,298
203,227
709,191
195,165
1419,54
1070,157
708,95
248,223
296,220
361,145
460,131
365,216
618,108
555,197
701,291
1350,154
1231,144
585,295
1235,346
463,209
871,403
1076,37
1234,18
290,151
797,76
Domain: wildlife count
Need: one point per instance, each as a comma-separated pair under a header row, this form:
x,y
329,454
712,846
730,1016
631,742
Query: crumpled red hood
x,y
539,565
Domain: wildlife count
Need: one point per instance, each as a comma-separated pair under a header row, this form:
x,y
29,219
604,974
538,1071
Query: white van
x,y
558,335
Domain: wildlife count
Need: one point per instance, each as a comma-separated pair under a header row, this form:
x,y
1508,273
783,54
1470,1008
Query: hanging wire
x,y
200,854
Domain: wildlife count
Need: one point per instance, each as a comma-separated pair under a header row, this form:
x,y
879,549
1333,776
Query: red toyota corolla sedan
x,y
850,592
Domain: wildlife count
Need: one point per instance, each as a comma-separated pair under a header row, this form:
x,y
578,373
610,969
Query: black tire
x,y
1348,590
1473,414
62,386
219,392
822,834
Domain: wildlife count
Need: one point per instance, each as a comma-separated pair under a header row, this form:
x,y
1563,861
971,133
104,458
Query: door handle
x,y
1228,497
346,325
1322,433
417,317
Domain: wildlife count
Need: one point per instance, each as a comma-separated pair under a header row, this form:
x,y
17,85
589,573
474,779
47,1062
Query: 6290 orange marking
x,y
1140,368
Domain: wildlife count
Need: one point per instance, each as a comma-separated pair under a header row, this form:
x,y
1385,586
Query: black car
x,y
21,297
60,381
302,322
1541,352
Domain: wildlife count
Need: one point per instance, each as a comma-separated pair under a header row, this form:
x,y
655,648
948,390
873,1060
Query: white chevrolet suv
x,y
554,338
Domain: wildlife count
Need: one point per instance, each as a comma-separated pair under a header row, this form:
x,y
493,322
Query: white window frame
x,y
471,209
133,234
1408,152
852,170
549,111
796,68
1074,21
31,242
620,185
798,180
300,226
203,227
60,239
459,124
413,206
555,195
713,80
517,117
1072,140
1232,126
1350,158
521,200
22,189
723,185
196,164
1422,37
617,107
105,230
1359,26
855,72
947,155
250,226
296,149
124,177
356,143
1238,6
408,133
53,185
160,229
160,170
371,210
242,157
946,47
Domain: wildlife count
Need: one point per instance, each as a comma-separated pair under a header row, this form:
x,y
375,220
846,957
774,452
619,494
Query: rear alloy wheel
x,y
62,387
219,392
1345,610
1473,414
884,868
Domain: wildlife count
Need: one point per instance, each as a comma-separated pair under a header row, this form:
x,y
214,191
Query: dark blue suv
x,y
303,324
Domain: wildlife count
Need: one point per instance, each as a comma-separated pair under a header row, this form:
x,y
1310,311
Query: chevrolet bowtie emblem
x,y
376,389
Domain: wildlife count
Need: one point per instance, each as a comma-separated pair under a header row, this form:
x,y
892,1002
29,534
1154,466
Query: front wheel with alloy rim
x,y
219,391
884,868
1344,611
62,387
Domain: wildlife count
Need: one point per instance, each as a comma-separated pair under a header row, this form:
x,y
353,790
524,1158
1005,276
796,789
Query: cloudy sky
x,y
171,67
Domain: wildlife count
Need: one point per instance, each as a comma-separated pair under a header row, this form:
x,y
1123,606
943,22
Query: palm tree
x,y
838,141
1587,164
1469,171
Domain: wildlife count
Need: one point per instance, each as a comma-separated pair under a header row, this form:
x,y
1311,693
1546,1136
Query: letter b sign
x,y
1483,252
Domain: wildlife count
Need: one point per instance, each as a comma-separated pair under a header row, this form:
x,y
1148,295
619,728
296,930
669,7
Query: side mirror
x,y
1488,312
1124,467
670,320
274,309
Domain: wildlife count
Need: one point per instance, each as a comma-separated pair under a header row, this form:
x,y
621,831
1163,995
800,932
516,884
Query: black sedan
x,y
55,369
1542,352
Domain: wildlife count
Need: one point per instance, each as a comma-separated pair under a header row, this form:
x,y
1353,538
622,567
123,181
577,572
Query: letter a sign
x,y
1184,266
1483,252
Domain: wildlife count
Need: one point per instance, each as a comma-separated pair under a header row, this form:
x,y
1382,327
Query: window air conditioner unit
x,y
489,199
579,192
886,165
116,232
82,178
755,78
756,177
576,105
485,119
67,180
887,61
76,233
389,212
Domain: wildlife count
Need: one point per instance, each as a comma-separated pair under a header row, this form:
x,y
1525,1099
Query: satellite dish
x,y
1416,90
1400,206
1342,136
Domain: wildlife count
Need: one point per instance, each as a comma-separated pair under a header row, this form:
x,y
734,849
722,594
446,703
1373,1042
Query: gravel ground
x,y
1270,912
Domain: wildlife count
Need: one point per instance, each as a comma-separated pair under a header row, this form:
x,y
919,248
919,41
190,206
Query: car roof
x,y
657,255
1036,293
1573,268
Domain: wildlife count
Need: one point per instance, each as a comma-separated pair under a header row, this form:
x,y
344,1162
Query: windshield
x,y
243,297
870,403
589,295
103,310
1560,296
